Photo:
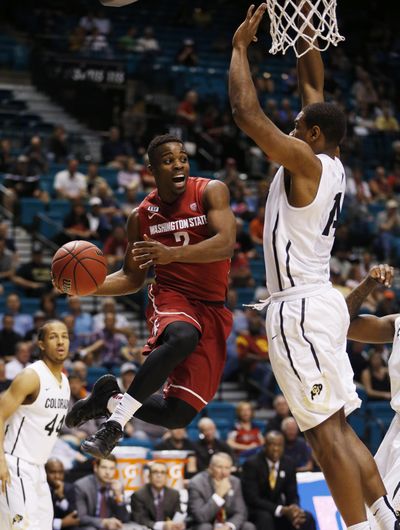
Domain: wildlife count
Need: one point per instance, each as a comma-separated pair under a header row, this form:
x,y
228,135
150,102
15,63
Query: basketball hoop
x,y
291,18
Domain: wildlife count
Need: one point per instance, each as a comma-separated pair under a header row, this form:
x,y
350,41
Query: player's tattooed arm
x,y
369,328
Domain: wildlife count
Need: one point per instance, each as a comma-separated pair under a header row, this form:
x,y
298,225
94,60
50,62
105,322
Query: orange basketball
x,y
78,268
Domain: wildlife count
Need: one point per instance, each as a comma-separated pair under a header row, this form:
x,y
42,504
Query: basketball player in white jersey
x,y
381,330
307,320
32,412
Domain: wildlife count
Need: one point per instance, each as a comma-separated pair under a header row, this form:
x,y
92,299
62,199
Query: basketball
x,y
78,268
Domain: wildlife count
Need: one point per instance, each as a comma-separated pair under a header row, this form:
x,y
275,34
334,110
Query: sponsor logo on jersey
x,y
194,206
316,390
56,403
179,224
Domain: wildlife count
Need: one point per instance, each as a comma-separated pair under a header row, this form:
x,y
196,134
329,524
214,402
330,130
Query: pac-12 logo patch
x,y
193,207
316,390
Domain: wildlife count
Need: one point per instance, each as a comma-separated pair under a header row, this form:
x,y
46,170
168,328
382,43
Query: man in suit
x,y
155,504
62,495
100,499
215,498
208,443
270,488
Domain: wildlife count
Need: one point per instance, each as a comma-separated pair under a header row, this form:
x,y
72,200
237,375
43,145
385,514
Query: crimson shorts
x,y
196,379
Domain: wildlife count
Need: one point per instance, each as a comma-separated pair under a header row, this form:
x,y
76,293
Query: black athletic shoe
x,y
95,405
103,442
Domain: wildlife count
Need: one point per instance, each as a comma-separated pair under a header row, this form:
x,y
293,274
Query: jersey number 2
x,y
333,215
52,425
182,236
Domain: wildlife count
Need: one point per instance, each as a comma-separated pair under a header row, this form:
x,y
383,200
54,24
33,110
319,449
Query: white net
x,y
312,20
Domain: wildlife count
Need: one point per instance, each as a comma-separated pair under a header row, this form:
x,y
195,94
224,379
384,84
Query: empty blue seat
x,y
94,372
29,208
221,410
136,442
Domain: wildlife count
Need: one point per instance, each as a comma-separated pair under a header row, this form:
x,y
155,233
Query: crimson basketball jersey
x,y
184,222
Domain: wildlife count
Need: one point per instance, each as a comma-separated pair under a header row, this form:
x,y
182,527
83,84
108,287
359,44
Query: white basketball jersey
x,y
394,368
32,430
298,241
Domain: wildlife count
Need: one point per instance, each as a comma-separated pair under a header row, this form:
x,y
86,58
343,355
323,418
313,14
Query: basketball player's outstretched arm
x,y
222,228
25,385
369,328
294,154
130,278
310,69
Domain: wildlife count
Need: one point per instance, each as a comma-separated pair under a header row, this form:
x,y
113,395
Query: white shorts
x,y
307,350
388,461
27,504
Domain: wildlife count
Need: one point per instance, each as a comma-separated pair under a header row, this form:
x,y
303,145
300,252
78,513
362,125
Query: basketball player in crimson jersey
x,y
186,230
307,319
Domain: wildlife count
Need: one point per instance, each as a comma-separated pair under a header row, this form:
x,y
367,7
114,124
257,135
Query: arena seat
x,y
29,208
93,373
136,442
221,410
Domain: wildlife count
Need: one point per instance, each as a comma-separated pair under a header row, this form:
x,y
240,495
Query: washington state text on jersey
x,y
180,224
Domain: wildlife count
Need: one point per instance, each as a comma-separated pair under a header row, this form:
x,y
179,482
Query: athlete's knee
x,y
180,413
181,337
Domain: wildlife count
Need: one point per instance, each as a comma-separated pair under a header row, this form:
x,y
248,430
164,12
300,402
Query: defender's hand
x,y
150,252
4,475
246,32
382,274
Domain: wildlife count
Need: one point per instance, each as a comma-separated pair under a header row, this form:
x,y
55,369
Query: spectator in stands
x,y
358,356
23,322
115,247
379,185
296,448
87,22
387,122
130,200
229,174
216,499
129,176
10,242
394,179
22,359
96,44
240,273
4,382
109,305
388,241
155,505
246,436
186,55
187,112
100,497
70,183
83,319
208,444
177,440
363,88
253,358
105,346
134,123
256,226
375,379
99,224
7,262
22,181
62,496
93,178
147,43
8,337
102,22
282,411
39,319
240,324
34,276
114,151
48,304
270,488
388,304
80,369
109,206
240,203
37,157
58,145
76,39
75,225
132,352
7,160
128,42
76,342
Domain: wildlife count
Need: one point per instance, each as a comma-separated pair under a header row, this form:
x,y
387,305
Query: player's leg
x,y
45,512
172,413
177,341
